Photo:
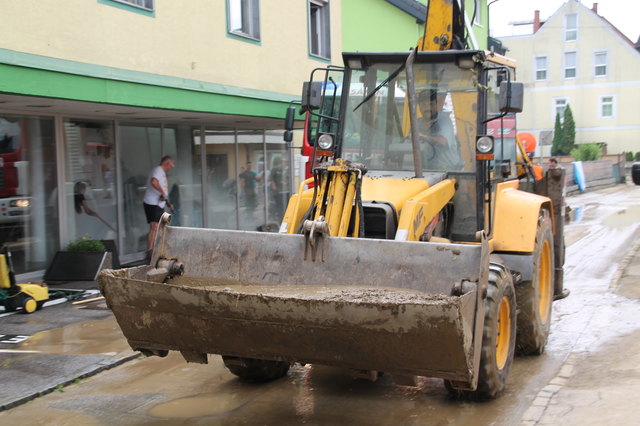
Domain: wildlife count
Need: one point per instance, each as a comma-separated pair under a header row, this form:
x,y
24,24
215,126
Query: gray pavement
x,y
53,331
67,342
603,384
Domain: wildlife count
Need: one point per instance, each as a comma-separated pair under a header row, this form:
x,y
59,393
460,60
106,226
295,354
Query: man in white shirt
x,y
156,198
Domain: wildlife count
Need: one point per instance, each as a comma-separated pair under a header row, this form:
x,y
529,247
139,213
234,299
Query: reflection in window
x,y
28,191
90,180
140,151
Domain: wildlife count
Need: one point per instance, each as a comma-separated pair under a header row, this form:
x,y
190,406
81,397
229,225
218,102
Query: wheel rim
x,y
30,305
504,333
544,283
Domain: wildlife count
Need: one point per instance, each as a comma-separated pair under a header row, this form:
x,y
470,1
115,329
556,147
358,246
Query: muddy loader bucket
x,y
400,307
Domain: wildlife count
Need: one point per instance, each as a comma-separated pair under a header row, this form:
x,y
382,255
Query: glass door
x,y
89,187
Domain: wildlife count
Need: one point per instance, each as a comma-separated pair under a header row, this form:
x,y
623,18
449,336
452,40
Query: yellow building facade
x,y
94,93
578,58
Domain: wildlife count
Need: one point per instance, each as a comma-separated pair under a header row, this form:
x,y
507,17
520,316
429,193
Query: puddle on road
x,y
203,405
575,215
624,218
84,338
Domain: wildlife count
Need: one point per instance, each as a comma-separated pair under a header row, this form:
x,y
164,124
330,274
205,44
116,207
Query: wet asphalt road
x,y
599,319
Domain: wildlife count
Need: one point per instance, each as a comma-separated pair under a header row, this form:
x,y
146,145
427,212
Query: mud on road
x,y
589,373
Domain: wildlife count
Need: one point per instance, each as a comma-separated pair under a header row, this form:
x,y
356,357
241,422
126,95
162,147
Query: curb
x,y
101,366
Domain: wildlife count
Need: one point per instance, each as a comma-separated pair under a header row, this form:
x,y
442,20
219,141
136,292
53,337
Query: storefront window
x,y
140,151
185,182
28,191
90,180
251,178
278,176
221,179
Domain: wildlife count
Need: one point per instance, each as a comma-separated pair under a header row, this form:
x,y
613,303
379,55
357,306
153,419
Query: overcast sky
x,y
624,14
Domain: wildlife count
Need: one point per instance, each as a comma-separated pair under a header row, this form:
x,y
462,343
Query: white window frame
x,y
559,108
536,70
611,100
604,65
243,18
142,4
570,32
319,16
565,68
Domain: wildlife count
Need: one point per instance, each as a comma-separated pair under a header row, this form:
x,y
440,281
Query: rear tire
x,y
256,370
498,338
534,297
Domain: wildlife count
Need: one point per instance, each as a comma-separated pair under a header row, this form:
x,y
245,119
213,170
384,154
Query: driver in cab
x,y
436,132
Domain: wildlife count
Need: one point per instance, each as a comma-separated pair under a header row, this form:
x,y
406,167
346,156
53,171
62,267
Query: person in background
x,y
277,193
553,163
79,200
248,180
80,203
156,198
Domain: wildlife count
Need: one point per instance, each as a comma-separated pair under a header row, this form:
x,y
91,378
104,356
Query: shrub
x,y
85,243
628,156
586,152
637,157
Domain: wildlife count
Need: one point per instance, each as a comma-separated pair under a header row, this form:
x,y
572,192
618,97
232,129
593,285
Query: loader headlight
x,y
484,144
19,203
325,141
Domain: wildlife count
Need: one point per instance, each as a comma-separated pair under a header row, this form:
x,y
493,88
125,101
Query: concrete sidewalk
x,y
600,386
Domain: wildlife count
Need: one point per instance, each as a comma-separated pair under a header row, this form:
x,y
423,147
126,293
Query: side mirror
x,y
288,136
289,117
511,96
311,95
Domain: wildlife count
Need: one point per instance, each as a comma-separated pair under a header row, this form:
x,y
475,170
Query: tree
x,y
568,131
556,147
586,152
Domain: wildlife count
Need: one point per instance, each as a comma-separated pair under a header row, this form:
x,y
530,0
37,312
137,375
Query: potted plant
x,y
86,244
83,258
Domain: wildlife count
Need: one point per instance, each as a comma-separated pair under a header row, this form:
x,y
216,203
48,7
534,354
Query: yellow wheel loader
x,y
411,250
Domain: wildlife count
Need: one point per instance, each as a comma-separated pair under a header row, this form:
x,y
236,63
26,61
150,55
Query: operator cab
x,y
422,122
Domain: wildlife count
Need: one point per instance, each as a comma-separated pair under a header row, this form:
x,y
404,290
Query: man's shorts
x,y
153,212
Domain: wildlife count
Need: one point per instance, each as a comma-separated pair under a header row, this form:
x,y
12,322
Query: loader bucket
x,y
400,307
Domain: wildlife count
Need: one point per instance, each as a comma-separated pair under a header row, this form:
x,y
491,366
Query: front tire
x,y
256,370
498,338
535,296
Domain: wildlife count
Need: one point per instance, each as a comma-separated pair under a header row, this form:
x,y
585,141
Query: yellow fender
x,y
296,208
516,218
39,292
420,210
